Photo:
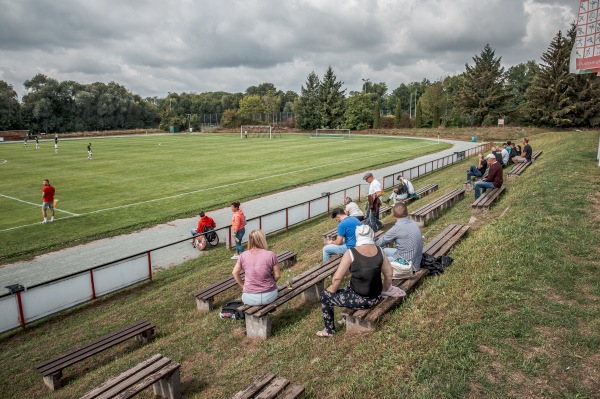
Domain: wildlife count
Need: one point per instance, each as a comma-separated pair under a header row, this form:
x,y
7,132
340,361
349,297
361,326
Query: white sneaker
x,y
51,220
235,257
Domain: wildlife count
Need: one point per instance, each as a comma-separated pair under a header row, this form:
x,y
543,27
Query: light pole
x,y
446,111
365,81
169,101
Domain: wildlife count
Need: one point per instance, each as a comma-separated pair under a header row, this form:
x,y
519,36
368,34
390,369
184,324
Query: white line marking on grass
x,y
38,205
3,161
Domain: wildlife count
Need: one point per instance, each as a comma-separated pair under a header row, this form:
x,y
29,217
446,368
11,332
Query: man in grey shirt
x,y
406,235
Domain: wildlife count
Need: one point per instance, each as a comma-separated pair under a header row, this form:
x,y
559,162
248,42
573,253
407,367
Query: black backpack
x,y
230,311
402,189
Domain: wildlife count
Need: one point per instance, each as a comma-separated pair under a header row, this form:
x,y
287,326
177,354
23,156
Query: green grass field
x,y
139,181
517,315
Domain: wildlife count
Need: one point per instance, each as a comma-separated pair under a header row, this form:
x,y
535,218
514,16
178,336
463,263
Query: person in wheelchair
x,y
206,223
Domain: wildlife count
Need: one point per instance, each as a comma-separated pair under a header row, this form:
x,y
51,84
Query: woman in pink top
x,y
260,271
238,225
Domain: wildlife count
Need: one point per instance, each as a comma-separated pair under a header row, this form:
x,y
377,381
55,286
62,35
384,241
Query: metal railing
x,y
24,305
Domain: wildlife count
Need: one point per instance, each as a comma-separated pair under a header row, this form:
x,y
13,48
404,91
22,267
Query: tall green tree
x,y
419,116
359,112
376,115
518,79
10,108
251,107
484,95
307,108
332,99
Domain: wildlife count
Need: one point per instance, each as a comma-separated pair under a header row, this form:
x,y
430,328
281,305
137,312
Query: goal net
x,y
247,131
331,133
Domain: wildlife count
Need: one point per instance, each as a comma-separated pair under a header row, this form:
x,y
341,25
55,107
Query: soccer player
x,y
37,143
89,148
56,143
47,199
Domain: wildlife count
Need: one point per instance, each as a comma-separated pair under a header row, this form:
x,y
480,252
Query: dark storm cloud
x,y
153,47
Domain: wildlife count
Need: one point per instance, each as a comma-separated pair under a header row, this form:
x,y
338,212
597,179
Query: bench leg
x,y
258,327
146,336
204,305
357,326
53,381
312,294
168,387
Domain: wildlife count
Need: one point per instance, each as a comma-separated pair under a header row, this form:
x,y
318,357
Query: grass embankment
x,y
516,315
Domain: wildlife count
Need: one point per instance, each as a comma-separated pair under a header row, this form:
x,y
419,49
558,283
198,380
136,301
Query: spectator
x,y
477,170
405,235
204,223
497,154
47,199
365,263
37,143
352,209
512,153
238,225
345,235
526,154
505,156
89,149
404,190
518,147
374,201
494,178
261,271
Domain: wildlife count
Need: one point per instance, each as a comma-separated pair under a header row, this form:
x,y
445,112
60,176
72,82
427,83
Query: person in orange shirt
x,y
203,223
47,199
238,225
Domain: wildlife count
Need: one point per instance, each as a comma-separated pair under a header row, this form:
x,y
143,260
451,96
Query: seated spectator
x,y
512,153
477,170
518,147
404,190
352,209
494,178
205,222
365,263
505,156
406,236
526,154
260,271
497,151
345,238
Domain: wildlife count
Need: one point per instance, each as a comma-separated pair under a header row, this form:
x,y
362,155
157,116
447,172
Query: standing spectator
x,y
25,140
494,178
374,201
47,199
56,143
260,271
345,235
352,209
404,190
365,263
204,223
477,170
526,154
37,143
406,236
89,149
238,225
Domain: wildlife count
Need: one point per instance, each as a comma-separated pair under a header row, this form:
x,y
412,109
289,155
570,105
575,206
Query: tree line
x,y
543,94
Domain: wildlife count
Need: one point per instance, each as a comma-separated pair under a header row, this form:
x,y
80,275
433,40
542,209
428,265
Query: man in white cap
x,y
374,201
494,178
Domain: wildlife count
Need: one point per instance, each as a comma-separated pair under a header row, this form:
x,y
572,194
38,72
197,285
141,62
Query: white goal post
x,y
333,133
256,131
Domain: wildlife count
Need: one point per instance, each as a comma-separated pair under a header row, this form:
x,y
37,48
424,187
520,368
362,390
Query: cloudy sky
x,y
154,47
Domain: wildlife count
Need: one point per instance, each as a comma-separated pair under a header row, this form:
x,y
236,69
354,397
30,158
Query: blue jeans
x,y
259,299
333,249
481,186
473,171
239,248
193,231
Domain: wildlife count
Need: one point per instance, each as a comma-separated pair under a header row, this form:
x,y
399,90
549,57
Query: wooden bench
x,y
159,371
384,211
519,168
486,199
205,298
52,369
365,320
267,386
435,207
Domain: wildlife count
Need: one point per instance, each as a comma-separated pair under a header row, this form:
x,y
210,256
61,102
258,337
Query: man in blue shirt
x,y
346,237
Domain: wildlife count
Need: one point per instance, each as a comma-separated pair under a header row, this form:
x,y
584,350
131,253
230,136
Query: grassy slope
x,y
516,315
136,169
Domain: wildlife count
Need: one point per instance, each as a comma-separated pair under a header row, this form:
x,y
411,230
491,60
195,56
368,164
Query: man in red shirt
x,y
494,179
48,199
203,223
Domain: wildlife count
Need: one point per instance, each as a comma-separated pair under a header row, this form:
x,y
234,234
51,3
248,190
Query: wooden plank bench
x,y
435,207
52,369
365,320
384,211
486,199
267,386
205,298
520,167
159,371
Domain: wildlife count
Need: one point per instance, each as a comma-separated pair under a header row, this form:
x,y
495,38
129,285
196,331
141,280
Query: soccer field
x,y
138,181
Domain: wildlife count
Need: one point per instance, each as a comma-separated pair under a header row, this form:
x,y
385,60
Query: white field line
x,y
38,205
372,155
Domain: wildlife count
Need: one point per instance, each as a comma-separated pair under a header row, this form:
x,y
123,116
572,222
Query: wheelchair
x,y
210,237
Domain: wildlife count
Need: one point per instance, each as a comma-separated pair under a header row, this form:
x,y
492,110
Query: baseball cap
x,y
367,175
488,156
